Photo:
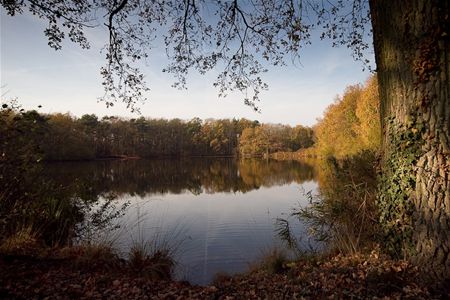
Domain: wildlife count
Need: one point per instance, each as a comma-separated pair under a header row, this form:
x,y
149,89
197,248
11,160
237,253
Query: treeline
x,y
65,137
89,137
349,126
352,124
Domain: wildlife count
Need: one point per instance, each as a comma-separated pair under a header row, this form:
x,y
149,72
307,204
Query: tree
x,y
336,134
351,124
411,43
368,114
301,137
272,138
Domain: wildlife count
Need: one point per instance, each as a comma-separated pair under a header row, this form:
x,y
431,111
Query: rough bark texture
x,y
411,40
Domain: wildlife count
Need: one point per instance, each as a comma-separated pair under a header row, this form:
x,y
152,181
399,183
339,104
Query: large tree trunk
x,y
411,40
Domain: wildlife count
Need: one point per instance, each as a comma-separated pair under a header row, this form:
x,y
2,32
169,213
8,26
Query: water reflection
x,y
222,211
197,176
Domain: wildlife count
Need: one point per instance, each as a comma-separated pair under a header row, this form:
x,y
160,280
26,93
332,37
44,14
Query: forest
x,y
64,137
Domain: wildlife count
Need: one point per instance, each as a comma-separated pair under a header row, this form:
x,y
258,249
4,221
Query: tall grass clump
x,y
152,260
153,255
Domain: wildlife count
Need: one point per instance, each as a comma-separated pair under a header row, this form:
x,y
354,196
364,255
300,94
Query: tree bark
x,y
411,42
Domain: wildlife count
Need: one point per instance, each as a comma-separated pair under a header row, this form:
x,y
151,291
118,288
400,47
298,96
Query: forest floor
x,y
357,276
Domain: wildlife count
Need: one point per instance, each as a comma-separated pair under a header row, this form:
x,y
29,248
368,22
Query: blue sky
x,y
69,80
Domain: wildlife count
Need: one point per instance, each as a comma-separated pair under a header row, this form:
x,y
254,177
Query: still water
x,y
217,214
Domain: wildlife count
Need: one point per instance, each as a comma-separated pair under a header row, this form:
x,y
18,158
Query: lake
x,y
217,213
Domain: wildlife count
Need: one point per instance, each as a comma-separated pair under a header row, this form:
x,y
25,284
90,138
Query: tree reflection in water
x,y
199,175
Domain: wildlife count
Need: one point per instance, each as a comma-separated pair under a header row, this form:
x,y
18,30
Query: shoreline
x,y
358,276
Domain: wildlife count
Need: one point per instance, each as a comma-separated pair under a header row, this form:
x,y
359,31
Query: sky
x,y
69,81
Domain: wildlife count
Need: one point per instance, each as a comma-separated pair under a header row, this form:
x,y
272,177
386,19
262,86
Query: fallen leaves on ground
x,y
357,276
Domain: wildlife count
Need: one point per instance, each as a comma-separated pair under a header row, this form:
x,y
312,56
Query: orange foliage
x,y
352,123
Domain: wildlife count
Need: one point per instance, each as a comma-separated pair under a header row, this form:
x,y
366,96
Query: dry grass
x,y
25,240
91,255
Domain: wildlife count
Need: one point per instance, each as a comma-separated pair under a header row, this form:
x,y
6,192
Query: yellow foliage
x,y
352,123
368,113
